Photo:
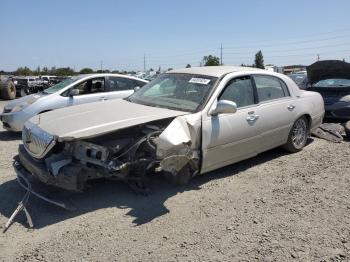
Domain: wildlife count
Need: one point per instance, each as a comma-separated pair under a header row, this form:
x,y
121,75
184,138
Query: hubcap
x,y
299,133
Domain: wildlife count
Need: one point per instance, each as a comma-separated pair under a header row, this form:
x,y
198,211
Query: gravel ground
x,y
274,207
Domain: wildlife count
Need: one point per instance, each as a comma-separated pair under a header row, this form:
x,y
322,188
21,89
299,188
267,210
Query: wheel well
x,y
44,111
309,121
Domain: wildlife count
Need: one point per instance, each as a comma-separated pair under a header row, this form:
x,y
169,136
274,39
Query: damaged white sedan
x,y
184,123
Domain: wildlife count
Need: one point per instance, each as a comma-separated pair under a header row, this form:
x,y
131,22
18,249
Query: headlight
x,y
345,98
19,107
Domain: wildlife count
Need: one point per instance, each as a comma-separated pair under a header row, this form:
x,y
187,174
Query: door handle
x,y
290,107
252,118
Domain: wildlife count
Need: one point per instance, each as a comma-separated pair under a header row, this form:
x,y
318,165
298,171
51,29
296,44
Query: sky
x,y
117,35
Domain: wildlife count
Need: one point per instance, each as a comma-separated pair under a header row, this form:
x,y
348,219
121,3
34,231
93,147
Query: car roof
x,y
81,76
216,71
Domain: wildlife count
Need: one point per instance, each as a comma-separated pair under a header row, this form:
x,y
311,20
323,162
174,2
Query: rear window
x,y
270,88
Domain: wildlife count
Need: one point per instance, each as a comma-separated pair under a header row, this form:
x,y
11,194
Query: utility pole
x,y
318,57
144,63
221,54
101,65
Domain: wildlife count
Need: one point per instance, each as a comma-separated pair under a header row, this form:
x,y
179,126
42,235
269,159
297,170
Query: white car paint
x,y
38,103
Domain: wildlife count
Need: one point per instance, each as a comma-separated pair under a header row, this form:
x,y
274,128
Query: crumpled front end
x,y
164,146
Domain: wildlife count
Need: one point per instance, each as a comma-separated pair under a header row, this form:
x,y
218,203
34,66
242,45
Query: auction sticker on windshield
x,y
202,81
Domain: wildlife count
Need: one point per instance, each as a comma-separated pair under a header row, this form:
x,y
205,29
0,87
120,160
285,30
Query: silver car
x,y
184,123
77,90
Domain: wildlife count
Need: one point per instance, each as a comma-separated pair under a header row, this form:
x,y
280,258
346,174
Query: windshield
x,y
183,92
333,83
61,85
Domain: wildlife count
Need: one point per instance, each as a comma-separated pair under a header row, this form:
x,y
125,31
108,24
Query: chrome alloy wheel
x,y
299,133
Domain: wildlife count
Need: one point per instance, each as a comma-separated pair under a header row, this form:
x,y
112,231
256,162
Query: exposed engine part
x,y
90,153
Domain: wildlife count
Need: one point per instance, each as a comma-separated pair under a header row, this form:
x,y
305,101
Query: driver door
x,y
91,90
229,138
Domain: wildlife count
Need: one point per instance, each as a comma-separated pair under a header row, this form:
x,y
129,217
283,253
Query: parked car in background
x,y
184,123
331,79
29,84
300,79
73,91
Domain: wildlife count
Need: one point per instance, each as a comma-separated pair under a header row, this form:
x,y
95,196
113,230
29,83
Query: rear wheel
x,y
23,92
298,135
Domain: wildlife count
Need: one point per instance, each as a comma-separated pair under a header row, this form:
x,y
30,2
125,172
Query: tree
x,y
211,60
37,71
64,71
188,66
45,70
86,70
23,71
259,60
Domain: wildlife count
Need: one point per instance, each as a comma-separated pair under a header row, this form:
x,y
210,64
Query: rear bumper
x,y
316,121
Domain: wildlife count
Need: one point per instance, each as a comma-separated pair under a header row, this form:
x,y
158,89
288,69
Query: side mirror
x,y
224,107
136,88
74,92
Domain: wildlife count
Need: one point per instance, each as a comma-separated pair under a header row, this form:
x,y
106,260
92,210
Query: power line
x,y
297,49
286,43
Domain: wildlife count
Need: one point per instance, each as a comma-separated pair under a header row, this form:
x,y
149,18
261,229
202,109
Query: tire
x,y
23,92
181,178
298,135
8,91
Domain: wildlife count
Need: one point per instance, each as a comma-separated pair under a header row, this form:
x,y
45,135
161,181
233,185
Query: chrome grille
x,y
36,141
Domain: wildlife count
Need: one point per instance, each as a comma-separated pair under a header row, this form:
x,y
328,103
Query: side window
x,y
120,84
239,90
91,86
270,87
97,85
139,83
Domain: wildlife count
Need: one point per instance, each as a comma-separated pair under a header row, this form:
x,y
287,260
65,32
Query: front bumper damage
x,y
129,155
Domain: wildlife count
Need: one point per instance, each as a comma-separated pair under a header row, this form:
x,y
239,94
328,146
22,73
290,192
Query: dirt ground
x,y
274,207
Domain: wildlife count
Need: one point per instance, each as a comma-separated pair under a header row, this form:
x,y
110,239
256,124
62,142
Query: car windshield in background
x,y
333,83
61,85
298,78
183,92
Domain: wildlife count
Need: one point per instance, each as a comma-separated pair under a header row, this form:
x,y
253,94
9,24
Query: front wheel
x,y
298,135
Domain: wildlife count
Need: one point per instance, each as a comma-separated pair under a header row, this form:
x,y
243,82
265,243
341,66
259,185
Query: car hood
x,y
29,99
328,69
98,118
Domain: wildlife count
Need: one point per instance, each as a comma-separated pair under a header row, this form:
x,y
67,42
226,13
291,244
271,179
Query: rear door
x,y
277,110
229,138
